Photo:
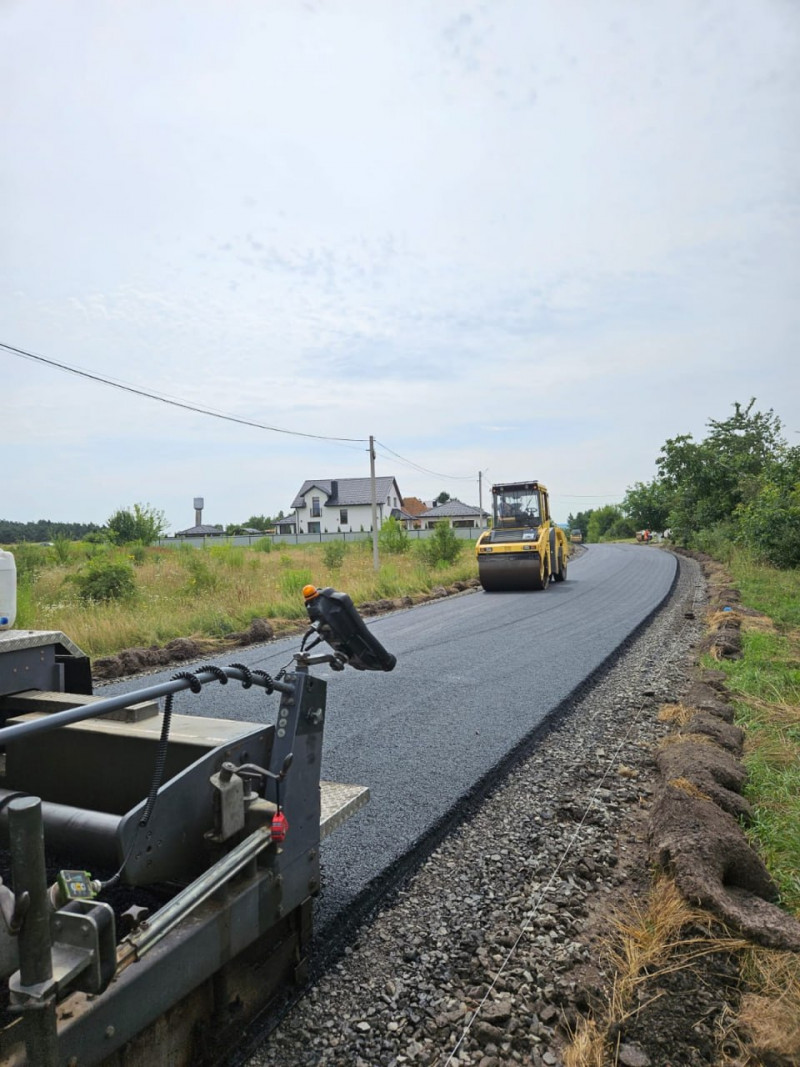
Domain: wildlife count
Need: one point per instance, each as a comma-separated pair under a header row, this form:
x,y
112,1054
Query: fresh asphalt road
x,y
475,675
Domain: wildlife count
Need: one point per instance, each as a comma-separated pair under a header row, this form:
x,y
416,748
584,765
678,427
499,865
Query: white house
x,y
342,505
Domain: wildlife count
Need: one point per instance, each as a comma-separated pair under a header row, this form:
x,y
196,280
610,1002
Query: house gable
x,y
345,504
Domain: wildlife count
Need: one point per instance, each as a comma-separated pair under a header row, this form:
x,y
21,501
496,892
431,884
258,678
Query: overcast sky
x,y
534,238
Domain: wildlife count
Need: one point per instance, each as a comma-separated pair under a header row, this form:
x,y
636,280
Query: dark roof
x,y
200,531
450,509
344,492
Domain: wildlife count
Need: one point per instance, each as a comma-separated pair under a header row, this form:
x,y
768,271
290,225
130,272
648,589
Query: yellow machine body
x,y
525,549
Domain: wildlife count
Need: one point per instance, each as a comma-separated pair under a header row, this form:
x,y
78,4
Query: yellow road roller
x,y
524,549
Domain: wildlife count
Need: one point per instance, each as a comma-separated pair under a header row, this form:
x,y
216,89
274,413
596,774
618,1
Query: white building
x,y
342,505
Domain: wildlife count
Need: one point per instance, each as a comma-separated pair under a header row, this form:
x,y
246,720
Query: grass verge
x,y
649,941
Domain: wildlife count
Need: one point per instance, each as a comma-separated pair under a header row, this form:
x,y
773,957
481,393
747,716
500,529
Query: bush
x,y
29,561
620,529
718,541
62,550
263,544
137,552
393,537
144,523
442,547
103,580
201,578
602,521
770,527
333,554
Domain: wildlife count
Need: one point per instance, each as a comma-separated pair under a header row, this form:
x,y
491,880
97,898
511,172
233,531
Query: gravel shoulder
x,y
488,953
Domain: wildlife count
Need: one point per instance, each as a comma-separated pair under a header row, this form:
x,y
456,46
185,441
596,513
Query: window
x,y
313,527
343,516
315,509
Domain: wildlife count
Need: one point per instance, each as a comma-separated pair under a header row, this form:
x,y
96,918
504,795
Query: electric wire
x,y
104,380
226,417
425,470
537,901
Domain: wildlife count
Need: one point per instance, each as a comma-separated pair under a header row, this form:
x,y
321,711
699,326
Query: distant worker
x,y
646,536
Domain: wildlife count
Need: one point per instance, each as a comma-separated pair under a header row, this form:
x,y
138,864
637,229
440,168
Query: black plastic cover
x,y
338,623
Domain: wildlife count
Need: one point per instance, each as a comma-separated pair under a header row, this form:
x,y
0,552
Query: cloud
x,y
494,235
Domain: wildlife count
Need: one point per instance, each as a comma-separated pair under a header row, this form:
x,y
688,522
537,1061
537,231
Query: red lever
x,y
279,827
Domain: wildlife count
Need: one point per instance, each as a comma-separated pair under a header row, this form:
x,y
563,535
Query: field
x,y
162,593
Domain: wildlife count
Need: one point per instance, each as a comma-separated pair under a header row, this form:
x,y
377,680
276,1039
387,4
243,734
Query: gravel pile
x,y
486,954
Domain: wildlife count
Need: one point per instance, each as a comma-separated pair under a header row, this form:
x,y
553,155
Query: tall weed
x,y
202,578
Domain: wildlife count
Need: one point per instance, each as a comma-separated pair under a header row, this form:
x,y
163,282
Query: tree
x,y
770,526
442,547
144,524
43,530
648,505
602,522
393,537
580,521
708,481
442,498
259,522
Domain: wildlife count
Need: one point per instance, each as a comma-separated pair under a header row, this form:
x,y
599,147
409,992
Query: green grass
x,y
766,686
777,593
208,592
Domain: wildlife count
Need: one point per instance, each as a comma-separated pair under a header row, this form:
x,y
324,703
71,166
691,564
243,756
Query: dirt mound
x,y
133,661
178,650
695,821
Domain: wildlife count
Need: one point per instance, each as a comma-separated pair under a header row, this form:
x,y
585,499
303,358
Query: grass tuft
x,y
691,790
647,942
675,713
678,738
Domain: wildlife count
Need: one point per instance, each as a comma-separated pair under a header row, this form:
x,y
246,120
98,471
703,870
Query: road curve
x,y
476,675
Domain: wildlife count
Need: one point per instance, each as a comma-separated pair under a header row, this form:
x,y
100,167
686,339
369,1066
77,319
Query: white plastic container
x,y
8,590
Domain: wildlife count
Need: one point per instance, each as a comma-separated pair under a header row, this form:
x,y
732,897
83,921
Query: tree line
x,y
141,524
740,485
12,533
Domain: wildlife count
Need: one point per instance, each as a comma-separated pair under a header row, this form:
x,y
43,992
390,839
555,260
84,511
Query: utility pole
x,y
480,497
374,494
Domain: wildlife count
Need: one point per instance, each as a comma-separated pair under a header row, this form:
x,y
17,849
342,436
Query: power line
x,y
424,470
167,400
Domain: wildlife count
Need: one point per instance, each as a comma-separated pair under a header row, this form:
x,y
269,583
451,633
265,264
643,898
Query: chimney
x,y
335,489
198,511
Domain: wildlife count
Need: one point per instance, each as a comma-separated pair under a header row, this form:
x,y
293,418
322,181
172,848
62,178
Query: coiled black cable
x,y
218,672
247,681
269,685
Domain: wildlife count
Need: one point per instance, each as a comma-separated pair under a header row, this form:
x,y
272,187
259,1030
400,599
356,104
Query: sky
x,y
520,238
